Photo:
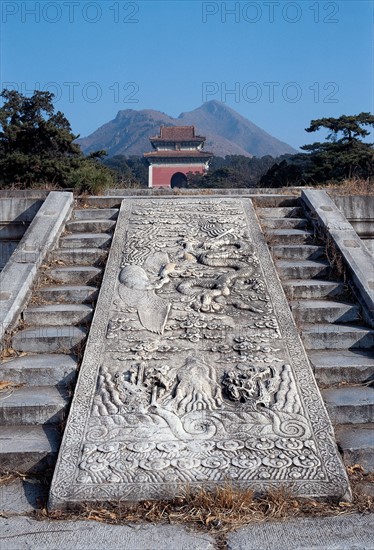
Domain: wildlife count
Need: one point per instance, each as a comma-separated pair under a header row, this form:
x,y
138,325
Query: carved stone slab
x,y
194,373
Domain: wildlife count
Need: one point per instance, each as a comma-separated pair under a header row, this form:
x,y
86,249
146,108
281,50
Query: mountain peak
x,y
213,105
227,132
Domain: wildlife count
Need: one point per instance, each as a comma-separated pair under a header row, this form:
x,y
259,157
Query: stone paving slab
x,y
194,373
348,532
22,497
24,533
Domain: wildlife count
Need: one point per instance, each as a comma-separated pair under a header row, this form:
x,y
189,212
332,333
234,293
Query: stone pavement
x,y
331,533
348,532
22,532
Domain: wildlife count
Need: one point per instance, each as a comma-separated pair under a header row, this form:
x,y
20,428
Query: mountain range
x,y
227,132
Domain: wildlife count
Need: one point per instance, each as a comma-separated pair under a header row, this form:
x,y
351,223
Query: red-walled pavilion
x,y
177,151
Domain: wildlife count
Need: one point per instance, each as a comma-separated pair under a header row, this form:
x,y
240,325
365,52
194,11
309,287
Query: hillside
x,y
227,132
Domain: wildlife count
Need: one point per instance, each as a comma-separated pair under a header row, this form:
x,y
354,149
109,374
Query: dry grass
x,y
9,477
8,385
222,509
6,350
333,255
296,191
335,259
37,300
36,186
269,234
353,186
187,191
218,512
7,353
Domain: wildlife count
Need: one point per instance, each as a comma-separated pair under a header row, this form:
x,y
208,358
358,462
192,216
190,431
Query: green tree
x,y
129,171
90,177
344,154
232,171
287,172
37,145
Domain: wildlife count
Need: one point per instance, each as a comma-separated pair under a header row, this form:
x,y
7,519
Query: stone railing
x,y
356,256
20,271
359,211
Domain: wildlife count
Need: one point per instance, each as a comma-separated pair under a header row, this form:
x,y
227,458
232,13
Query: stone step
x,y
281,212
86,240
298,252
59,339
76,294
312,288
350,404
28,449
333,336
289,236
102,202
284,223
33,405
40,370
302,269
95,214
90,226
81,275
79,256
274,200
261,201
333,366
58,314
324,311
357,444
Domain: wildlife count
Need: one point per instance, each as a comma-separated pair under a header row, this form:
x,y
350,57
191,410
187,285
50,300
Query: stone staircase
x,y
49,341
339,345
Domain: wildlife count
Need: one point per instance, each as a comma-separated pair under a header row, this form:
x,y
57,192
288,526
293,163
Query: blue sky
x,y
285,63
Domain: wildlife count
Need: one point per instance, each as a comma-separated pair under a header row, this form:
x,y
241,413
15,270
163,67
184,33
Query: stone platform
x,y
194,373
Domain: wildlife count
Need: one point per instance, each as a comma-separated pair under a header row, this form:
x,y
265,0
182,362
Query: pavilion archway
x,y
178,180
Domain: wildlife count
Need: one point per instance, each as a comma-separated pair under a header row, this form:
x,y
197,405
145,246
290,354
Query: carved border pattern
x,y
308,390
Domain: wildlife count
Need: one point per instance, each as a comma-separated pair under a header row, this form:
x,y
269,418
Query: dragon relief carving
x,y
251,384
223,250
188,397
139,284
187,408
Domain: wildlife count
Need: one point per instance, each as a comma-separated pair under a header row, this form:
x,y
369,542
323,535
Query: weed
x,y
222,509
352,186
